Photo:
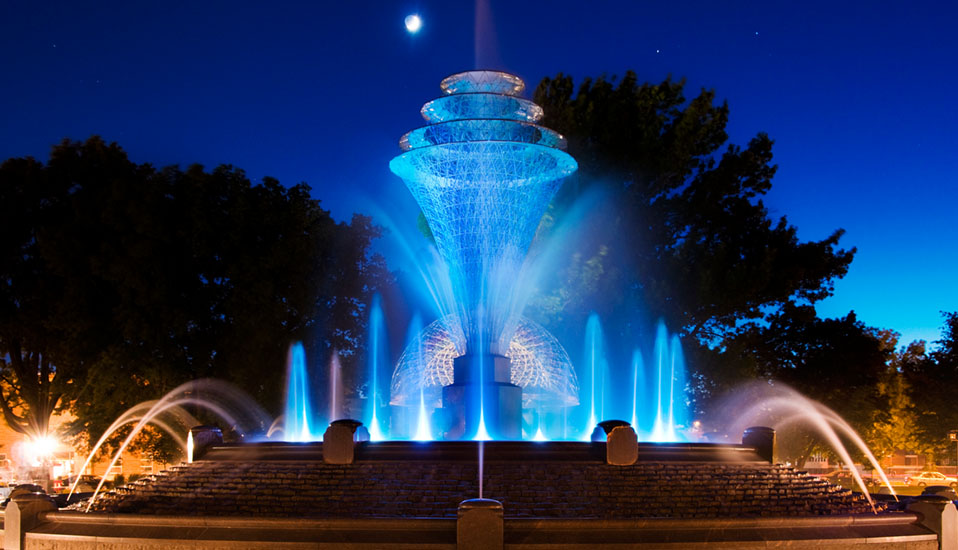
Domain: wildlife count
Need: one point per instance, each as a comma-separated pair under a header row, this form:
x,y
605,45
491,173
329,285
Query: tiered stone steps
x,y
433,486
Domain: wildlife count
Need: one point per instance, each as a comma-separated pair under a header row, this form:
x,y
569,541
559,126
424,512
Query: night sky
x,y
858,96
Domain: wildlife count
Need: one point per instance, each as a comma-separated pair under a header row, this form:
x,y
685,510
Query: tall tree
x,y
121,281
686,235
679,232
841,363
933,376
896,427
45,343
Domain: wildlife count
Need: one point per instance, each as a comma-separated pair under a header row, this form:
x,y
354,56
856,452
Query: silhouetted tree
x,y
841,363
120,281
681,231
684,233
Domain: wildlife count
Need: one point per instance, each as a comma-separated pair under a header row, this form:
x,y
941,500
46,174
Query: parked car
x,y
87,483
931,478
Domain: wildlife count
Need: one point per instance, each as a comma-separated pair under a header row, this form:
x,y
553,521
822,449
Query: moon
x,y
413,23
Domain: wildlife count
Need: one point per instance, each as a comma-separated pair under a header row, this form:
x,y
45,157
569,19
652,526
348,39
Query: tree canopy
x,y
687,236
119,281
682,233
931,377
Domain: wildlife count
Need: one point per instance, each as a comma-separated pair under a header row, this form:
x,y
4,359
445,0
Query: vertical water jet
x,y
298,415
377,334
335,388
638,385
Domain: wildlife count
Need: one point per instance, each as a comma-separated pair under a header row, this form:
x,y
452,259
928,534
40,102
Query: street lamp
x,y
953,436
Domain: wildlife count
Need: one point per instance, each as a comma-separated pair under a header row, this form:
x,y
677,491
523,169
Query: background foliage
x,y
121,281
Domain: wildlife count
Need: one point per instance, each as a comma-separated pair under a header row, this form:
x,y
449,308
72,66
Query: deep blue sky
x,y
859,97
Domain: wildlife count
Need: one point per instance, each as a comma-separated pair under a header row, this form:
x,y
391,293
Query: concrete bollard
x,y
622,446
200,440
762,439
340,440
939,514
23,514
479,525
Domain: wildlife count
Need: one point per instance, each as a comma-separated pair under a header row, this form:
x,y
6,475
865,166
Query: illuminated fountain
x,y
483,173
653,397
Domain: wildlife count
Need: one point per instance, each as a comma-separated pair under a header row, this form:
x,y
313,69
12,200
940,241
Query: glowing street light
x,y
38,449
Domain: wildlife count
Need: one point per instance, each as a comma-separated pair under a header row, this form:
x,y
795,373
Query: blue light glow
x,y
483,173
423,430
483,185
377,357
299,422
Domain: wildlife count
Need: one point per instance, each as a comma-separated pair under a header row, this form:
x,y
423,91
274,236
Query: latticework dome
x,y
540,366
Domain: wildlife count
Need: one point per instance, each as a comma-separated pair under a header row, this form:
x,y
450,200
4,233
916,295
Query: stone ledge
x,y
886,531
79,530
66,530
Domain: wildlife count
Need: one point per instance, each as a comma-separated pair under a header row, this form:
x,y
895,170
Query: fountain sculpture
x,y
483,173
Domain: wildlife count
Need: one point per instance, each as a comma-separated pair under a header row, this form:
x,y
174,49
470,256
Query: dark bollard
x,y
201,439
762,439
940,490
479,525
604,428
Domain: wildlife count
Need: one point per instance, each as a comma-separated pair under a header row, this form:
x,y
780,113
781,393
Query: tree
x,y
121,281
44,345
840,363
685,235
896,428
932,378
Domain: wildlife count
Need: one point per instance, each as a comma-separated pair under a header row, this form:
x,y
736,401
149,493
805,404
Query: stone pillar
x,y
938,513
201,439
23,514
622,446
762,439
479,525
340,440
501,399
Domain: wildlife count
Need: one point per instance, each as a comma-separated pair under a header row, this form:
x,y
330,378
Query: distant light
x,y
413,23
